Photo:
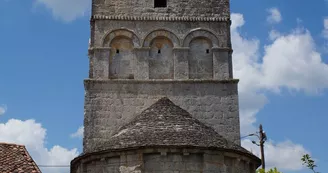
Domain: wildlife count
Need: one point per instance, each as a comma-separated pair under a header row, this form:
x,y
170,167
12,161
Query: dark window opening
x,y
160,3
117,51
207,51
159,51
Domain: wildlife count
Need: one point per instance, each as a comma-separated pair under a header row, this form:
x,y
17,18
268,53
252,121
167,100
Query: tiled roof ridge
x,y
159,103
30,159
168,103
21,153
8,143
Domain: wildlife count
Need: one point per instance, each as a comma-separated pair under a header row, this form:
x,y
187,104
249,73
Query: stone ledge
x,y
174,48
223,49
129,81
201,19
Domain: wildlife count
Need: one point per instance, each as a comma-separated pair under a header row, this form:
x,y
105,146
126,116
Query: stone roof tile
x,y
165,124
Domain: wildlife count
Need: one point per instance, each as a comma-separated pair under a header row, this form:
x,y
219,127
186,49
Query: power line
x,y
53,166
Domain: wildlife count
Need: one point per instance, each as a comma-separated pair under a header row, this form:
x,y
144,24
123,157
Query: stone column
x,y
100,58
221,63
142,63
181,66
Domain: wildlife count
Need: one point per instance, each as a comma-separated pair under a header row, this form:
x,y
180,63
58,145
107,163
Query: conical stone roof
x,y
165,124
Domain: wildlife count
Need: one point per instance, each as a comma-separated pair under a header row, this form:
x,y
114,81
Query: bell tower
x,y
141,51
160,96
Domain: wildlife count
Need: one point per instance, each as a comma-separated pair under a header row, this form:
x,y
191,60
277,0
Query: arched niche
x,y
161,58
161,33
121,33
121,60
200,58
201,33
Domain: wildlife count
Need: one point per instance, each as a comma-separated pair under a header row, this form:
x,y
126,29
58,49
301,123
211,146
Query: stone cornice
x,y
221,49
186,18
131,81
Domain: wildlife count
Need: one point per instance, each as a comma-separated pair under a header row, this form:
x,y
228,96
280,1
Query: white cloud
x,y
66,10
3,109
32,135
290,61
274,16
78,133
273,34
325,28
286,156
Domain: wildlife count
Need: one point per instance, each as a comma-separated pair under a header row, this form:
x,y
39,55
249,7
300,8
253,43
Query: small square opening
x,y
160,3
117,51
159,51
207,51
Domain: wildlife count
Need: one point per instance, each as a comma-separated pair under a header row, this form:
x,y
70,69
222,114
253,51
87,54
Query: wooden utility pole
x,y
262,140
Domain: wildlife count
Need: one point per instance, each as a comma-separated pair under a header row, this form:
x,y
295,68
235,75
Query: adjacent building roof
x,y
165,124
15,159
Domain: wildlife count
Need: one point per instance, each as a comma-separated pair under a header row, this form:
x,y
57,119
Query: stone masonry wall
x,y
181,8
110,104
165,161
188,50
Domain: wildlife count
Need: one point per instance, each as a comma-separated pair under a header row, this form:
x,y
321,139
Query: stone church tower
x,y
160,96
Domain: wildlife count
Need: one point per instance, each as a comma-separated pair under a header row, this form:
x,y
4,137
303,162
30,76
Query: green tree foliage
x,y
306,160
275,170
309,162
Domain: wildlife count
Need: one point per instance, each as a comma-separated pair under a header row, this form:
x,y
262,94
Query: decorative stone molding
x,y
122,32
185,18
201,33
161,32
89,82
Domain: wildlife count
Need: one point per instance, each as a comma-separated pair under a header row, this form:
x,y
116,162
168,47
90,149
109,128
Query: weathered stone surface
x,y
139,54
175,8
160,50
177,161
110,104
165,124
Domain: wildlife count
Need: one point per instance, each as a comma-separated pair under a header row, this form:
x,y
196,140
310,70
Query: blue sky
x,y
280,57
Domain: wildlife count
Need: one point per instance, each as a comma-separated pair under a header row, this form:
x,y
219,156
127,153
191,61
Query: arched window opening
x,y
160,3
161,58
200,61
121,58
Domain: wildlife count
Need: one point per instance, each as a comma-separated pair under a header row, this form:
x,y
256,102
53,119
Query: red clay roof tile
x,y
15,159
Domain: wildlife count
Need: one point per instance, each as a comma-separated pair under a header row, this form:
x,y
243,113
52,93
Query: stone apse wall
x,y
166,161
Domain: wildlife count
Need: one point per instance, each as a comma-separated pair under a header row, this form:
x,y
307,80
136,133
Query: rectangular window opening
x,y
160,3
207,51
117,51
